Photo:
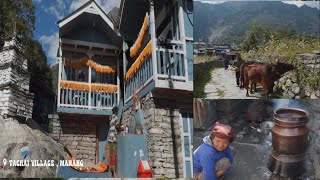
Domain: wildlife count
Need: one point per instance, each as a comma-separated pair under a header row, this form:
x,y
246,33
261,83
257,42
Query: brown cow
x,y
241,72
265,74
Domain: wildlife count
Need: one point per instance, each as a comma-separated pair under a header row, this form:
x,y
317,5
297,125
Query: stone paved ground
x,y
223,86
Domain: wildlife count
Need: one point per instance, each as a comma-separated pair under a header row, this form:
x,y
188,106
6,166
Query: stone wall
x,y
15,98
15,103
289,87
164,134
79,136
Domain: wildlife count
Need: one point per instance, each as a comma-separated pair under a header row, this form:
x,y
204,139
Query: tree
x,y
37,62
287,32
257,36
18,19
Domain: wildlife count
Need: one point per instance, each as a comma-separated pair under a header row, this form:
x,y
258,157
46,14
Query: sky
x,y
49,12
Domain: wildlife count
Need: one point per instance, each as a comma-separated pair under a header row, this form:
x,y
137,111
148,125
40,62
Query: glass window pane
x,y
185,124
188,169
186,146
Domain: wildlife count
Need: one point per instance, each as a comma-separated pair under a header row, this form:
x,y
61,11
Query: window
x,y
187,144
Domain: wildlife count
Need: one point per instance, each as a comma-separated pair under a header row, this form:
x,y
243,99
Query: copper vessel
x,y
289,142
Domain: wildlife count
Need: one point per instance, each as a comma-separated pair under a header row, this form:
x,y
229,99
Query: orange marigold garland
x,y
104,88
75,64
134,50
99,68
108,88
139,61
95,66
74,85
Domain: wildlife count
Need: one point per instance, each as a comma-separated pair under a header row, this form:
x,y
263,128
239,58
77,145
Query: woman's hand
x,y
219,174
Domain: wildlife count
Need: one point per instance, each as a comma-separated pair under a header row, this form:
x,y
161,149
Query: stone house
x,y
102,62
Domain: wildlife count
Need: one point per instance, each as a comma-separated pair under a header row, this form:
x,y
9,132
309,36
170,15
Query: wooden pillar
x,y
153,41
118,82
89,93
124,59
90,55
183,39
59,81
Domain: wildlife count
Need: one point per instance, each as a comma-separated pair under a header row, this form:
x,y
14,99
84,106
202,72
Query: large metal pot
x,y
289,142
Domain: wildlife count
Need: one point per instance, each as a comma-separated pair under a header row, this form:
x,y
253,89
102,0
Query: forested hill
x,y
226,22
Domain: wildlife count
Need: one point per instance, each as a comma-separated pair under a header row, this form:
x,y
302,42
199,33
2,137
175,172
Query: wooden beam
x,y
59,80
183,39
85,43
118,81
188,86
80,117
172,77
124,63
96,10
78,111
89,94
153,41
72,49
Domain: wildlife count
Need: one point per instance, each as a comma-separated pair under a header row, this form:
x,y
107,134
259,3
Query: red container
x,y
144,170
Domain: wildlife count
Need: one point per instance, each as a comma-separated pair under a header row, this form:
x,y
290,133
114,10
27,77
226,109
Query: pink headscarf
x,y
223,131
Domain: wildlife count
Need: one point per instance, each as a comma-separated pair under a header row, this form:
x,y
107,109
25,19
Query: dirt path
x,y
223,86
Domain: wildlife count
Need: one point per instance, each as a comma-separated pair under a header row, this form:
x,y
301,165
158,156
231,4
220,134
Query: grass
x,y
201,79
201,59
202,73
274,95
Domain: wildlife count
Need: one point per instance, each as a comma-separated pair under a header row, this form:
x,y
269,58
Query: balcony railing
x,y
87,99
141,78
171,63
170,66
95,91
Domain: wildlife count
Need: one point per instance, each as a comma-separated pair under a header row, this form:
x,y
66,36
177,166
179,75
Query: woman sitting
x,y
214,158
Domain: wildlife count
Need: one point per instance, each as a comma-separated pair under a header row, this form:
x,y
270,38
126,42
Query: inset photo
x,y
96,89
256,139
256,49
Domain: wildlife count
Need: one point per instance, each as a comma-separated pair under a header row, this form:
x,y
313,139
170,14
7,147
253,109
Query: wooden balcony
x,y
96,94
167,71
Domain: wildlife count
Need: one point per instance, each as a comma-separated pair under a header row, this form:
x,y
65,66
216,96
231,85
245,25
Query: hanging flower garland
x,y
99,68
75,64
134,50
95,66
74,85
139,61
108,88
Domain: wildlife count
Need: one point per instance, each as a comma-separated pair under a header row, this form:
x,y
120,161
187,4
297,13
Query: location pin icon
x,y
4,162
